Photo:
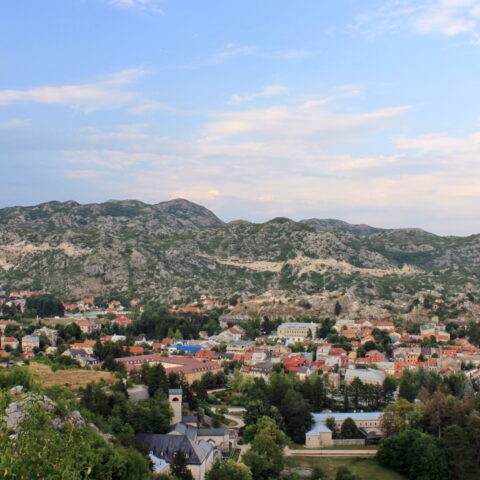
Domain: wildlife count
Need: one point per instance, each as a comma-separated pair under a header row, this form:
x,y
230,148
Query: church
x,y
201,446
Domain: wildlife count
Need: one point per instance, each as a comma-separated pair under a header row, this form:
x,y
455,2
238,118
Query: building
x,y
88,326
11,342
29,342
191,368
321,436
261,370
81,356
201,446
50,333
297,331
239,347
367,375
226,320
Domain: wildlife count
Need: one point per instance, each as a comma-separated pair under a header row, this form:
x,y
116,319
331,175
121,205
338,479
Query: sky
x,y
363,110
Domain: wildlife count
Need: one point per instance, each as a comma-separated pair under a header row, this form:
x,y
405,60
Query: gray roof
x,y
175,391
211,432
321,418
189,419
183,429
165,447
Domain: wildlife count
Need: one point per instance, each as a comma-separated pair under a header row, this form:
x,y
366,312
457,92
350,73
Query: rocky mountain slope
x,y
179,248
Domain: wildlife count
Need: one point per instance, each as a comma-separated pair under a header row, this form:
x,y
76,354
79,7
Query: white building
x,y
321,436
297,331
368,375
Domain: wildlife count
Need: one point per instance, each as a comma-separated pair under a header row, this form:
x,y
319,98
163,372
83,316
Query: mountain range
x,y
177,248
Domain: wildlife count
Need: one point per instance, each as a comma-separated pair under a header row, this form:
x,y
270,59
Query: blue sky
x,y
363,110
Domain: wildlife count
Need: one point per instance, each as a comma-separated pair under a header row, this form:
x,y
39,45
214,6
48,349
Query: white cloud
x,y
293,54
444,17
230,51
268,91
104,94
296,122
144,5
297,162
152,107
14,123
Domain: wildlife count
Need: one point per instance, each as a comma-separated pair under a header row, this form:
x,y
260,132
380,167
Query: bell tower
x,y
175,401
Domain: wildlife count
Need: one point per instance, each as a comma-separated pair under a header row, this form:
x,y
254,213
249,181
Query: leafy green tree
x,y
332,425
297,417
229,470
398,416
414,454
409,386
155,378
268,425
69,453
179,467
349,429
462,452
265,458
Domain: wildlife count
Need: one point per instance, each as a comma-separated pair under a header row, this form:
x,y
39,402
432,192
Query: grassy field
x,y
73,379
298,446
365,468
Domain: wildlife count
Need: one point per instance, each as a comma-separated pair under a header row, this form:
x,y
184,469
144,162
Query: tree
x,y
409,386
266,425
398,416
349,428
460,450
155,378
70,453
265,458
437,412
344,473
338,309
179,468
296,414
229,470
414,454
389,386
332,425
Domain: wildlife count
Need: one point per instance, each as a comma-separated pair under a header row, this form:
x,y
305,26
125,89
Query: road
x,y
310,452
237,419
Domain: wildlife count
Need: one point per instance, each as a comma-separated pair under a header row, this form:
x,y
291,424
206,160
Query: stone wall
x,y
349,441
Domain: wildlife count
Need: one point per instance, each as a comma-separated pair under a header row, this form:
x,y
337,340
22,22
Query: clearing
x,y
365,468
72,378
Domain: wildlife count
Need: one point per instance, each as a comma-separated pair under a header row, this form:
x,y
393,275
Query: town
x,y
347,372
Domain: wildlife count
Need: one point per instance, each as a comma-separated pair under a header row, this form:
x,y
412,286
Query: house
x,y
239,347
134,350
50,333
113,338
88,326
81,356
4,323
261,370
387,326
122,321
321,436
29,342
254,357
294,362
87,345
11,342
